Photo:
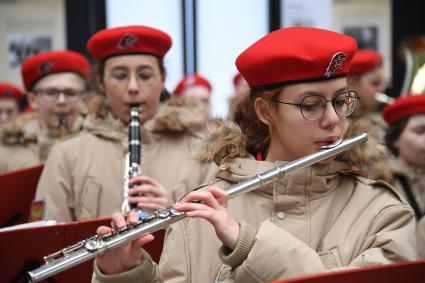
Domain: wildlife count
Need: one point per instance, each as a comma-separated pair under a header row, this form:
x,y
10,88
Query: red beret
x,y
8,90
404,107
189,81
47,63
296,55
365,60
236,79
128,40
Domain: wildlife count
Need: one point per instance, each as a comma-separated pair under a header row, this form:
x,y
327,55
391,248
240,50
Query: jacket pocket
x,y
90,200
330,259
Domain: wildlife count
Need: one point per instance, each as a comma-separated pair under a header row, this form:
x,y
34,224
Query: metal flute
x,y
97,245
383,99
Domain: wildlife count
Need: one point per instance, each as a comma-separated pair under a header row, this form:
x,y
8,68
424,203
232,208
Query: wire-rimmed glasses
x,y
313,107
52,94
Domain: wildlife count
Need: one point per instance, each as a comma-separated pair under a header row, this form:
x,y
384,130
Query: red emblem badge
x,y
127,41
335,63
45,68
7,93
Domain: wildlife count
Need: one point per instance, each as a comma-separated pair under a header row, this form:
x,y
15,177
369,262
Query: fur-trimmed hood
x,y
177,115
26,129
21,130
388,169
224,139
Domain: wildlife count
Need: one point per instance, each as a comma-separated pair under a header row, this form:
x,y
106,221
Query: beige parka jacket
x,y
415,177
84,175
24,144
420,237
321,218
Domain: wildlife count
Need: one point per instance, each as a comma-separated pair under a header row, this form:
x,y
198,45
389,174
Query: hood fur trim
x,y
180,114
224,139
363,156
14,133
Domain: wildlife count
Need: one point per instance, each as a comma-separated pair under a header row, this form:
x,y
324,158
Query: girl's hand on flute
x,y
211,205
125,257
148,194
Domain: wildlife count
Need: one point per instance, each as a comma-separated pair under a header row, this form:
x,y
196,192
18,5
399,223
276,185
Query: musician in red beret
x,y
367,78
55,83
323,217
240,92
93,167
405,138
10,99
364,61
198,87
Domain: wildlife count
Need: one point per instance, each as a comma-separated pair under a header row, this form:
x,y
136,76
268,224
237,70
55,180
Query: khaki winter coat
x,y
415,176
84,176
420,237
24,144
321,218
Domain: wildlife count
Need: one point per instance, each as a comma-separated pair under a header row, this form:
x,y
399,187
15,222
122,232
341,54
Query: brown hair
x,y
393,132
257,133
96,103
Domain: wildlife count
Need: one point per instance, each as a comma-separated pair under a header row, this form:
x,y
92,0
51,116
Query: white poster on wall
x,y
28,27
21,46
308,13
367,36
369,22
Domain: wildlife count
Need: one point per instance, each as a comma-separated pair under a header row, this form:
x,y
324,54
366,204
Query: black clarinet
x,y
132,163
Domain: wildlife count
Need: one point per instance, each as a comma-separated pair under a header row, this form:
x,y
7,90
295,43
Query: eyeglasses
x,y
52,94
313,106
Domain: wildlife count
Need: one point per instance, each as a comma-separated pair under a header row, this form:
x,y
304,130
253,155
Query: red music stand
x,y
17,190
411,272
23,250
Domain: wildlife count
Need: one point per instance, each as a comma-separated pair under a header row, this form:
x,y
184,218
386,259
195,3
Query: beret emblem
x,y
335,63
45,68
127,41
7,93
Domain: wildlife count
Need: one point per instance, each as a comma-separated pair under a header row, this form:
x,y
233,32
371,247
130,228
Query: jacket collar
x,y
26,129
177,115
113,129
